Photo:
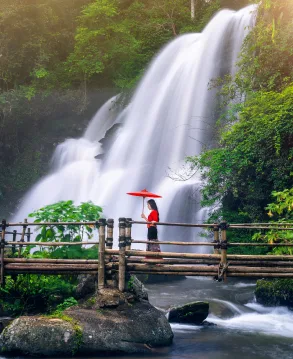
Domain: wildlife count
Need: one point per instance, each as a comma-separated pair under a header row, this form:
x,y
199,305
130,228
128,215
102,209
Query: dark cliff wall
x,y
25,154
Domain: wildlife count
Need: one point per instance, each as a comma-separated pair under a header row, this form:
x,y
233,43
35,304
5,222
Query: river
x,y
243,328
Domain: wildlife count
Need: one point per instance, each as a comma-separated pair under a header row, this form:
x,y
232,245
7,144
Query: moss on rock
x,y
274,292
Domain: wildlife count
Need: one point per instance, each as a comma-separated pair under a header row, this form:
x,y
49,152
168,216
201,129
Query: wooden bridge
x,y
114,265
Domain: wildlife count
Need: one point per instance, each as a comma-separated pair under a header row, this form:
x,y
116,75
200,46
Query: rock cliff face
x,y
110,322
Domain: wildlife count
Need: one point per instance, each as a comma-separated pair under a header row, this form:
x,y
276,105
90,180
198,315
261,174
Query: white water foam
x,y
274,321
171,116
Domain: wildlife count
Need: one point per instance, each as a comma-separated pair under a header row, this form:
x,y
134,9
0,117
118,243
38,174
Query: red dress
x,y
152,232
153,216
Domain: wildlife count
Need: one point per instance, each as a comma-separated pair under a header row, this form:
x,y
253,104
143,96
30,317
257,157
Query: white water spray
x,y
171,116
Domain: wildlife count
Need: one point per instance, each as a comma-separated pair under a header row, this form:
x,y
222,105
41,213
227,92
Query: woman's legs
x,y
153,236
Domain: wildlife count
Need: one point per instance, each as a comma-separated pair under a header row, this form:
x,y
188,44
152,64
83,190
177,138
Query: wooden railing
x,y
115,264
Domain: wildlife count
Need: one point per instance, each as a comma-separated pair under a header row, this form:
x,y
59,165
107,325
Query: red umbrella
x,y
144,193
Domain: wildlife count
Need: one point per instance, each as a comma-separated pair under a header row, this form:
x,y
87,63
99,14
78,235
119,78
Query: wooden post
x,y
217,245
2,249
128,233
109,239
22,238
101,272
28,235
223,226
122,259
14,239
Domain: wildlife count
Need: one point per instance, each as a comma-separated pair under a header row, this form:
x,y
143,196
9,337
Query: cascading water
x,y
171,116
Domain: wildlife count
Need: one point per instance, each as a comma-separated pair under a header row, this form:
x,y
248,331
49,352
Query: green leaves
x,y
66,211
254,156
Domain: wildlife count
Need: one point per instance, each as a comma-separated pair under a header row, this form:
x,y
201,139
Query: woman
x,y
152,228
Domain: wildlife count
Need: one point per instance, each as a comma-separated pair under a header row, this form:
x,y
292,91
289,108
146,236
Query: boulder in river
x,y
111,322
190,313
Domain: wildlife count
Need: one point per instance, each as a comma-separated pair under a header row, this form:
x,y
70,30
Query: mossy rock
x,y
105,324
190,313
274,292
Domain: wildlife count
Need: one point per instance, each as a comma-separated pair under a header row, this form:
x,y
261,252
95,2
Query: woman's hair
x,y
153,205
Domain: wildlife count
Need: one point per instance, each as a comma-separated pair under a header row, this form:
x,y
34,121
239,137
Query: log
x,y
185,274
201,256
177,243
128,231
211,274
171,268
109,239
102,235
176,224
2,250
22,237
52,244
73,267
259,257
51,261
56,272
89,223
185,268
224,247
208,262
169,254
122,258
217,245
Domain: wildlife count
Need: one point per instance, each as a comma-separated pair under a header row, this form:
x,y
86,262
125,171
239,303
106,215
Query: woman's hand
x,y
143,216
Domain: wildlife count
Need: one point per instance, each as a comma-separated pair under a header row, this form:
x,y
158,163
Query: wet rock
x,y
110,298
136,287
129,329
87,284
111,322
208,324
190,313
276,292
4,323
39,336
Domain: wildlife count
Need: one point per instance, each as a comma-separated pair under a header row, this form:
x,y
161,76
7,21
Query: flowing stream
x,y
243,328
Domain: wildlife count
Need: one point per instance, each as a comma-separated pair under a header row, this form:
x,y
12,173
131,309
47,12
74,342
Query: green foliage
x,y
130,283
254,156
266,57
69,302
66,211
34,293
53,44
281,210
274,292
35,39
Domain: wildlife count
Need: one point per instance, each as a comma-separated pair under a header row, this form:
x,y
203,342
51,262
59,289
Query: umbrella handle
x,y
142,204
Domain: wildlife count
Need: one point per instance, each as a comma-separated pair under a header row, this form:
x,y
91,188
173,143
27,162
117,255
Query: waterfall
x,y
170,116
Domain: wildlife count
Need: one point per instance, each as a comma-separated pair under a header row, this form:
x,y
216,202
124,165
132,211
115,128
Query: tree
x,y
254,156
266,56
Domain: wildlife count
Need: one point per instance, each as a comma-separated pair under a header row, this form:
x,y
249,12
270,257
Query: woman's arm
x,y
144,216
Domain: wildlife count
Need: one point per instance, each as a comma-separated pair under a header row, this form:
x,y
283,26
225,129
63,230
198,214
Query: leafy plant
x,y
69,302
35,293
281,209
66,211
